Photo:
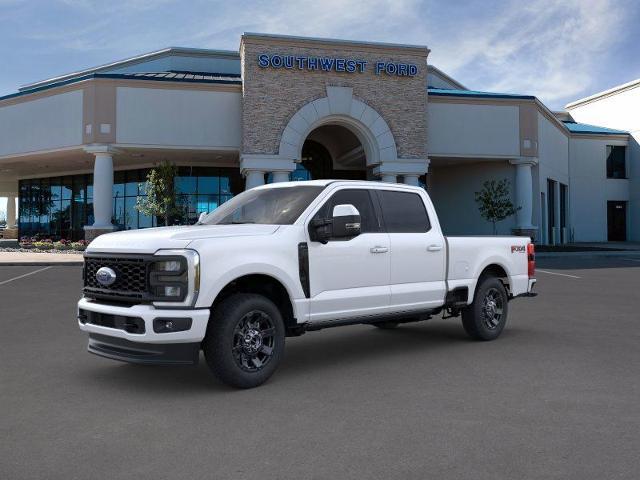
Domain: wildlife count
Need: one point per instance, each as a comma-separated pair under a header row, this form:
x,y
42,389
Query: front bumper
x,y
136,343
145,353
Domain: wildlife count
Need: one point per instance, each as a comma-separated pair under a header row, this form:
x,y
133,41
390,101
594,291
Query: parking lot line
x,y
556,273
632,259
25,275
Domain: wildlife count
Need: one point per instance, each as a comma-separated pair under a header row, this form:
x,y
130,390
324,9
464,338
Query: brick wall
x,y
271,96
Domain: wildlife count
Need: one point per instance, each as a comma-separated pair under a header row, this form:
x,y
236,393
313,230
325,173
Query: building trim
x,y
234,84
316,42
604,94
436,71
145,57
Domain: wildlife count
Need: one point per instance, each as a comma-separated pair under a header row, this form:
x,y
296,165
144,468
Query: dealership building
x,y
75,149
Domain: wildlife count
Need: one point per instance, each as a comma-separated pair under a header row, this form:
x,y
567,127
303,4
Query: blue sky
x,y
557,50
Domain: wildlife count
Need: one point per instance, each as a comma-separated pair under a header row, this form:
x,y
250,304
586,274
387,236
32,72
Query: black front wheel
x,y
486,317
245,340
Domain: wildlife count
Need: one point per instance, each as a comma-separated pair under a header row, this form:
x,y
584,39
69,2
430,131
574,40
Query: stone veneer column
x,y
524,196
102,191
387,177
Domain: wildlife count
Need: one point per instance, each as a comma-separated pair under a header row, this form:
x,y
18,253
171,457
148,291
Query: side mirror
x,y
201,217
346,221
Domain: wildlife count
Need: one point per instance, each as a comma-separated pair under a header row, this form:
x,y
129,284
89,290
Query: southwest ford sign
x,y
334,64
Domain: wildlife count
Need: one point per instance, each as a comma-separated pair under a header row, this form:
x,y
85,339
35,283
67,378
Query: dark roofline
x,y
440,92
123,76
133,61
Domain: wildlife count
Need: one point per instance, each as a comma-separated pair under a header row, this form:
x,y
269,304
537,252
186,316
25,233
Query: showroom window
x,y
59,207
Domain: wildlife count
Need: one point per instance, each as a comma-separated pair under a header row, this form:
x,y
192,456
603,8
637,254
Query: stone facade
x,y
272,96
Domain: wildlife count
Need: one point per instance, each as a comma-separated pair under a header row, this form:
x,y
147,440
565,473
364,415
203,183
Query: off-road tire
x,y
221,343
490,296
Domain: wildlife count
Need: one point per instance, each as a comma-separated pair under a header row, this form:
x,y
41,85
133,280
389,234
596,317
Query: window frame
x,y
378,195
374,208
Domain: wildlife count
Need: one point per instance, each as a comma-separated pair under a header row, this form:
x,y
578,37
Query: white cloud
x,y
547,48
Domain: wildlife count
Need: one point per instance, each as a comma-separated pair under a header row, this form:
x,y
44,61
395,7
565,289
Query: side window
x,y
361,199
404,212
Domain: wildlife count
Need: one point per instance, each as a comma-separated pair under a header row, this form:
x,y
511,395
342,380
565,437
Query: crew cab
x,y
282,259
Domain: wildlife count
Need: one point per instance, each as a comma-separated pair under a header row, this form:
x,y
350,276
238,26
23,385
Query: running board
x,y
401,317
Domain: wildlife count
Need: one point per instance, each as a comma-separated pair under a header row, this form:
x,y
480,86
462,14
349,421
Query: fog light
x,y
168,325
172,291
169,266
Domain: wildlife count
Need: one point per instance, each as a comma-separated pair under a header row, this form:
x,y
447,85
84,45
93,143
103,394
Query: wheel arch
x,y
495,269
262,284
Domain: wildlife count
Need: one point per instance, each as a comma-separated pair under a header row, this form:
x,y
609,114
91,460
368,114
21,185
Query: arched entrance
x,y
333,151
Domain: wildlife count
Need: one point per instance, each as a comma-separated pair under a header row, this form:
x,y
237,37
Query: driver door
x,y
350,277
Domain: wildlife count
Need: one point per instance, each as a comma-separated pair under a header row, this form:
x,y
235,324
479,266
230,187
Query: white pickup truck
x,y
286,258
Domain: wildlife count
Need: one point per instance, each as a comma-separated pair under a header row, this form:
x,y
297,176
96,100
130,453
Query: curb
x,y
617,253
42,264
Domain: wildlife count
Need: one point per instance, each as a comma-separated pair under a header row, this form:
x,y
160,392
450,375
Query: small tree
x,y
494,202
161,198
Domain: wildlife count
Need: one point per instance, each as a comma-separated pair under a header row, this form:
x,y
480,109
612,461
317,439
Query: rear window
x,y
404,212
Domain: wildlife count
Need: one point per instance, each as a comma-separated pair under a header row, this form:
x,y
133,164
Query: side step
x,y
401,317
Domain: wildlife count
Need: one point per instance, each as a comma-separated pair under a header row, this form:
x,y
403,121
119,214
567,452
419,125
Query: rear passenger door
x,y
418,258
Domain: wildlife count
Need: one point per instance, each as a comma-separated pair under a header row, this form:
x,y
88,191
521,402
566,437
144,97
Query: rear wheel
x,y
245,340
486,317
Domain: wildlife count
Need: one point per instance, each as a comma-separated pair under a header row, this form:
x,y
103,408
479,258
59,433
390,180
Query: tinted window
x,y
403,212
616,162
361,199
274,206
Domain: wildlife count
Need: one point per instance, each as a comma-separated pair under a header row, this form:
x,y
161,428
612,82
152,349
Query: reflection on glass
x,y
131,214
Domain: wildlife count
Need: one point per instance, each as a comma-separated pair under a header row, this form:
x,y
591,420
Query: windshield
x,y
272,206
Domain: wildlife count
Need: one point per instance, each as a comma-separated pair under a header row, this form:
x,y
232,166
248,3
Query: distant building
x,y
74,148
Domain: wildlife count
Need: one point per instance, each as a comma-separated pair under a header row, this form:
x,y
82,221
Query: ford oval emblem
x,y
105,276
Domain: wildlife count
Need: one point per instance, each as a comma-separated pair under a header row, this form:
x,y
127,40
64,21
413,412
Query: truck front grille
x,y
131,282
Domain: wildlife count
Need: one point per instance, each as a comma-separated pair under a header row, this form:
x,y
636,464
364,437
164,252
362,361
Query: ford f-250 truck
x,y
286,258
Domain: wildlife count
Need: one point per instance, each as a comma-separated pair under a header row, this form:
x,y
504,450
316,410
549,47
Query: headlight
x,y
175,278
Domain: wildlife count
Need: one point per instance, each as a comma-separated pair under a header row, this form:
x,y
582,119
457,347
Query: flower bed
x,y
37,244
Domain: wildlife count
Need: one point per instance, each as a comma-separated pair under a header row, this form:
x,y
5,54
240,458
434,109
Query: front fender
x,y
213,286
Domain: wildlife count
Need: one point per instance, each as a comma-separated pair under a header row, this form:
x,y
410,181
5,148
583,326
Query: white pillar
x,y
254,178
413,180
387,177
524,193
280,177
11,211
102,190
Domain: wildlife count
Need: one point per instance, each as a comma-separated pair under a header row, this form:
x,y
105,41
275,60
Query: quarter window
x,y
404,212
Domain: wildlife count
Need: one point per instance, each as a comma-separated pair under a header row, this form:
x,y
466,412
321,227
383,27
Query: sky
x,y
557,50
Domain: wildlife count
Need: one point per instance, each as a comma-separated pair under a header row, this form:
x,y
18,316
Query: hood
x,y
149,240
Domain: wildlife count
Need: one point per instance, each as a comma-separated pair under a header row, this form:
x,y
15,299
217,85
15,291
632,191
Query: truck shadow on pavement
x,y
311,354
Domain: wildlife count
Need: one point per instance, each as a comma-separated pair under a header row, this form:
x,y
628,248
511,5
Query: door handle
x,y
434,248
379,250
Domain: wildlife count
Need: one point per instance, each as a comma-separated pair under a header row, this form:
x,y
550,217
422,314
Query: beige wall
x,y
172,117
45,123
272,96
473,129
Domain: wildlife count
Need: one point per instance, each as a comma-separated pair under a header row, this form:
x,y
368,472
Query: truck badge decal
x,y
105,276
517,249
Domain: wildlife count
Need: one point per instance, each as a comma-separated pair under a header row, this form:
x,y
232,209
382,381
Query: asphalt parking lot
x,y
557,396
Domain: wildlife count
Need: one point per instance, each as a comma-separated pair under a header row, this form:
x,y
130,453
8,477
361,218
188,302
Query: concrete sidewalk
x,y
36,259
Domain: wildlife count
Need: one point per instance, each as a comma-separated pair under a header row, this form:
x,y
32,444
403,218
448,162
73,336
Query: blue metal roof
x,y
575,127
188,77
444,92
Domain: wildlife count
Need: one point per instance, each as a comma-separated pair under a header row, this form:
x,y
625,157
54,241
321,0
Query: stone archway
x,y
339,107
